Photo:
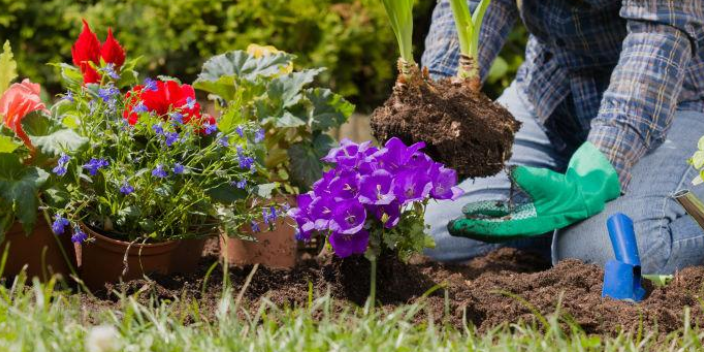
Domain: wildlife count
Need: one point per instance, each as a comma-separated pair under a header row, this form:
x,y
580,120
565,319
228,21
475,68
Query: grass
x,y
40,317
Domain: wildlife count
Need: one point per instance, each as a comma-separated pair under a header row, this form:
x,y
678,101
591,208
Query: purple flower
x,y
95,164
350,154
209,128
140,108
60,169
321,187
346,245
240,131
272,213
444,182
150,84
171,138
223,140
376,188
241,184
110,70
126,188
302,216
265,216
158,129
190,102
245,161
255,227
321,212
68,96
348,217
108,93
259,135
59,224
176,117
178,169
78,235
345,186
396,154
159,172
412,185
389,215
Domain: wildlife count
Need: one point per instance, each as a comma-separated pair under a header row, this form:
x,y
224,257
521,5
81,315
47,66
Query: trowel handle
x,y
623,239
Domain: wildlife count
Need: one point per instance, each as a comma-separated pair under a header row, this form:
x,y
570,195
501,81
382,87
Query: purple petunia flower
x,y
348,217
376,188
95,164
345,186
159,172
412,185
126,188
178,169
346,245
150,84
78,235
395,153
350,155
59,224
321,212
259,135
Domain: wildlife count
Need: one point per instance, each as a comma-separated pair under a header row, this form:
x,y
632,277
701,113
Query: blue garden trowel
x,y
622,277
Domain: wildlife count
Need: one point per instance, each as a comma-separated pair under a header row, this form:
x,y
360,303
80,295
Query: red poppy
x,y
87,49
168,97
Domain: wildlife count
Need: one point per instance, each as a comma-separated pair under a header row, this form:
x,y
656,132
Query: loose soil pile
x,y
506,286
462,128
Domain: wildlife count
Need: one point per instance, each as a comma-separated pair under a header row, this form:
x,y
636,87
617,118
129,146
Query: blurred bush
x,y
349,37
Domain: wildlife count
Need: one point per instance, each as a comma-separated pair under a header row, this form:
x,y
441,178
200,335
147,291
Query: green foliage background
x,y
350,37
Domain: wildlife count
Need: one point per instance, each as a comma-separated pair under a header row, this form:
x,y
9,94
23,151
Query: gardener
x,y
611,98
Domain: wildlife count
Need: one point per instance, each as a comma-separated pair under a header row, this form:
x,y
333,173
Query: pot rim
x,y
119,246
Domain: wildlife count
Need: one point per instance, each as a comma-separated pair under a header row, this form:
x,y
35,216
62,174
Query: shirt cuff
x,y
622,146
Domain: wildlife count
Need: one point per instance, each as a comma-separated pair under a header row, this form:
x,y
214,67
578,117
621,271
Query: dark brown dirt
x,y
506,286
462,128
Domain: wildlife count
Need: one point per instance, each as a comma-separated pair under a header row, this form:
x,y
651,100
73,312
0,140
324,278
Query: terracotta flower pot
x,y
44,253
103,259
274,249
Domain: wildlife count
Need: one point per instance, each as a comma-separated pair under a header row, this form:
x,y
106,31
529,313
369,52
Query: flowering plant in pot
x,y
155,169
373,200
28,139
261,86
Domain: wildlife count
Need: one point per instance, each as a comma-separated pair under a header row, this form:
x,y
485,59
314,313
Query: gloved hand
x,y
558,200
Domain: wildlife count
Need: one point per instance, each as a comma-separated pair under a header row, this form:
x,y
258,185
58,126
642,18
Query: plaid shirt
x,y
612,72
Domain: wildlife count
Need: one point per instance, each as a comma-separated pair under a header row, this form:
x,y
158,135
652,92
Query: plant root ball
x,y
461,127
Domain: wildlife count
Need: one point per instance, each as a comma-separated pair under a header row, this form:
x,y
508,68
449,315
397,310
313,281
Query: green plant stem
x,y
400,13
468,29
372,282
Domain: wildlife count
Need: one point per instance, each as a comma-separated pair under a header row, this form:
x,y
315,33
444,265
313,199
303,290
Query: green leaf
x,y
697,159
288,88
289,120
8,144
330,110
700,144
8,67
659,280
223,87
265,190
243,66
322,145
306,167
224,193
61,140
19,186
70,74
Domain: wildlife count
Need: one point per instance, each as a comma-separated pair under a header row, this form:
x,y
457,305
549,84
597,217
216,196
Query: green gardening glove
x,y
558,200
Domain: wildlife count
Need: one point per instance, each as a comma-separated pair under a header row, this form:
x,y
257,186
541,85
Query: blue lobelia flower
x,y
255,227
110,70
177,117
178,169
209,129
140,108
60,169
68,96
240,131
78,235
259,135
126,188
95,164
158,129
241,184
159,172
108,93
223,140
171,138
190,102
150,84
59,224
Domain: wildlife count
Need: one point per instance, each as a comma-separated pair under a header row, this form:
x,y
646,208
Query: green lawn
x,y
39,317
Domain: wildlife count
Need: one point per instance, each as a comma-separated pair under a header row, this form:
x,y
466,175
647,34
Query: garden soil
x,y
504,287
462,128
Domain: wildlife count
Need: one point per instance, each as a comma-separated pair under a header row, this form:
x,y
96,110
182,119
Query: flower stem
x,y
372,282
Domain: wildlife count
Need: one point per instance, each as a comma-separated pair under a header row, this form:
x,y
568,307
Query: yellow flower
x,y
263,50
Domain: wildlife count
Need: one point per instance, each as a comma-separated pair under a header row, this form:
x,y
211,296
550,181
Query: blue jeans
x,y
668,239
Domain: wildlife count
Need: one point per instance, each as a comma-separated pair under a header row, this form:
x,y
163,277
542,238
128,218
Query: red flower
x,y
112,52
168,97
88,49
85,51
